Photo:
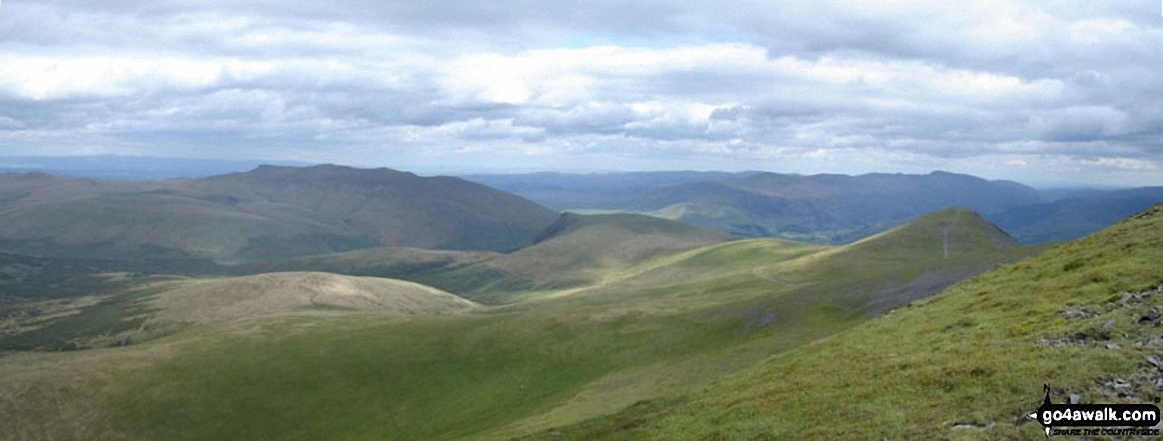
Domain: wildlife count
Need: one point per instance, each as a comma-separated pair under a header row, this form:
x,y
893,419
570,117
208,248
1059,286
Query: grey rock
x,y
1126,296
1151,315
1154,361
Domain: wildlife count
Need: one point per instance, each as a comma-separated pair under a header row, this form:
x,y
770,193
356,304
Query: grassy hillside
x,y
268,213
966,364
651,324
905,263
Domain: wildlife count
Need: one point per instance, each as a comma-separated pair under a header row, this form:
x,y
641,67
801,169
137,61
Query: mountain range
x,y
828,208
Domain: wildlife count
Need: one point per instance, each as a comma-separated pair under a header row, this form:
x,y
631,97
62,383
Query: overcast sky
x,y
1041,91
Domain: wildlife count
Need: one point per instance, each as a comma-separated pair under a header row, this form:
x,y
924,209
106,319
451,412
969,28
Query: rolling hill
x,y
281,294
576,250
966,364
267,213
122,308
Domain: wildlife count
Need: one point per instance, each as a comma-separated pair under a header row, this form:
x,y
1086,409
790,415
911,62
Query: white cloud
x,y
900,85
46,77
1122,163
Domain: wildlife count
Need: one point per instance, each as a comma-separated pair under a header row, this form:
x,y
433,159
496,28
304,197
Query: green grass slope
x,y
966,364
905,263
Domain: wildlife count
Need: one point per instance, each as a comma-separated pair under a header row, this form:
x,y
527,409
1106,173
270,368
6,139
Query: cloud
x,y
792,86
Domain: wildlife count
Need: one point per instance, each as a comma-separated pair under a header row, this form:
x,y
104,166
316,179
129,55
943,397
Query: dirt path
x,y
945,237
758,272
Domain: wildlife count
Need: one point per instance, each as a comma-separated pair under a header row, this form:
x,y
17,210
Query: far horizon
x,y
125,167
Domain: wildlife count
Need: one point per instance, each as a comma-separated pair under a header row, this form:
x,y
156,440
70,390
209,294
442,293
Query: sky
x,y
1044,92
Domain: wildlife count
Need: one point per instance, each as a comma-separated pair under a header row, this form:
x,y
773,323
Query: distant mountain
x,y
270,212
1075,214
830,208
114,167
594,191
826,208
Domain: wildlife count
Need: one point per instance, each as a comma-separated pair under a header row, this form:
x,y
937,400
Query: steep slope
x,y
966,364
905,263
268,213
